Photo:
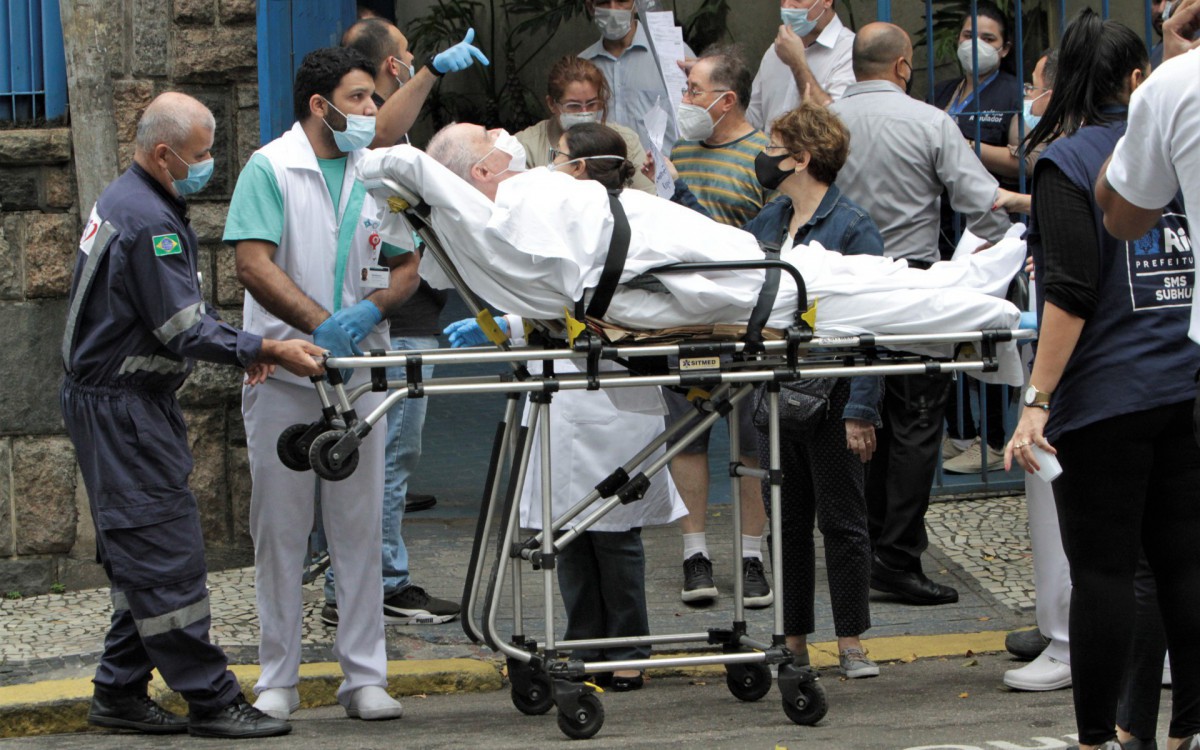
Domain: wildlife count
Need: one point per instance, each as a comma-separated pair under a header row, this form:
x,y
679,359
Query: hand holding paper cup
x,y
1049,468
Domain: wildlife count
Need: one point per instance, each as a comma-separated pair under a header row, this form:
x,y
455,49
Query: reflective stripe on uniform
x,y
176,620
153,363
119,601
99,249
180,322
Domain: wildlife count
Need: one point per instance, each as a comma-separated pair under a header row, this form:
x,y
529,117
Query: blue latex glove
x,y
459,57
466,332
359,319
1028,321
329,335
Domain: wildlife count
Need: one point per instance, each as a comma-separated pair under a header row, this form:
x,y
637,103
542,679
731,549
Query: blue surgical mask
x,y
798,19
198,175
359,132
1031,120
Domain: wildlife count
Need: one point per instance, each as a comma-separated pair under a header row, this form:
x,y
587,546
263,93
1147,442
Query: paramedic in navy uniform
x,y
136,322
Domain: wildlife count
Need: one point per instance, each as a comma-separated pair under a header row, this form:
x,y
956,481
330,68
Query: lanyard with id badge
x,y
375,276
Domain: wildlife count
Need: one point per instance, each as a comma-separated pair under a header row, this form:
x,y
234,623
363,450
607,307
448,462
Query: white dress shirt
x,y
775,92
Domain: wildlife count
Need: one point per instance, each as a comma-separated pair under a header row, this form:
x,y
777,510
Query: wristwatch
x,y
1034,397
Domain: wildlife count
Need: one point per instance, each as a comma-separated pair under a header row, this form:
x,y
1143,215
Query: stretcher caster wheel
x,y
748,682
804,699
326,462
292,447
585,721
536,699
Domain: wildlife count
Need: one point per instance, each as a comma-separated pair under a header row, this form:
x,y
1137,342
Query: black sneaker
x,y
756,592
414,502
329,614
412,606
239,720
698,586
132,709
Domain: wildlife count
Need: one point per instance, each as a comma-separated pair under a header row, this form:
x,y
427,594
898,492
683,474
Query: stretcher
x,y
719,373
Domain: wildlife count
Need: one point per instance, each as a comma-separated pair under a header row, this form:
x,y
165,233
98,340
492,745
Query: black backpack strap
x,y
614,262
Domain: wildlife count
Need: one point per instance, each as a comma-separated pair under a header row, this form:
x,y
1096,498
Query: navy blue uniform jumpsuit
x,y
136,321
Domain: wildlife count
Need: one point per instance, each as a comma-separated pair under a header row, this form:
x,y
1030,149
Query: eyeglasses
x,y
1029,88
773,147
693,93
555,153
577,107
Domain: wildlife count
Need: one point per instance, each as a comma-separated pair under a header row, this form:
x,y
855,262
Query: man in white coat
x,y
313,264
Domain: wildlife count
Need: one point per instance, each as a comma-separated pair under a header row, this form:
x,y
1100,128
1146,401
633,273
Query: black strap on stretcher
x,y
614,263
766,300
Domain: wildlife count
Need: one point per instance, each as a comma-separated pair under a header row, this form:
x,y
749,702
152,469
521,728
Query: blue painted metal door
x,y
287,31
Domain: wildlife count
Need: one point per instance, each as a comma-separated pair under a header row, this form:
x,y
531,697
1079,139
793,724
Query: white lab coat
x,y
542,244
590,438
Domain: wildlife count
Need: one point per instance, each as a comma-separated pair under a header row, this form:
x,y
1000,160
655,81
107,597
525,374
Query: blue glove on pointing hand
x,y
330,335
359,319
466,332
459,57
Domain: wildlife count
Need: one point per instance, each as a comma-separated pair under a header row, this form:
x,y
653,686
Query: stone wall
x,y
206,48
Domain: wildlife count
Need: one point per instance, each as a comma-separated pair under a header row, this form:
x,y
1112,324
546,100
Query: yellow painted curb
x,y
53,707
57,706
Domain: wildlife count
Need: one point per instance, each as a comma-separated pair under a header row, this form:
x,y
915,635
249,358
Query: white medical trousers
x,y
281,519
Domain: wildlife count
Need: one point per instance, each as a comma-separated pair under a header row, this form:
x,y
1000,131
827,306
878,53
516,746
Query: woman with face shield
x,y
576,93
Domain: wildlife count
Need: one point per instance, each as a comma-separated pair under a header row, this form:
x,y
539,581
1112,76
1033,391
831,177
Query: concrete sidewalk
x,y
49,644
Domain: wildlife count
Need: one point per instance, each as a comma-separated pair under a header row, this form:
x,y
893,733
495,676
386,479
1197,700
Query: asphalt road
x,y
950,704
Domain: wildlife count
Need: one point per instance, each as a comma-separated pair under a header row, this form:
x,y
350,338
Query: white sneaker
x,y
970,461
950,448
372,703
1042,674
278,703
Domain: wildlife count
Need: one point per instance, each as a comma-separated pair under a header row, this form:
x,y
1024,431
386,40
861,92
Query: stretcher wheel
x,y
323,462
537,700
293,448
584,722
809,706
748,682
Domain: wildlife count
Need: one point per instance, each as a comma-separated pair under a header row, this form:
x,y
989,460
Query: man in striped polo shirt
x,y
715,155
715,158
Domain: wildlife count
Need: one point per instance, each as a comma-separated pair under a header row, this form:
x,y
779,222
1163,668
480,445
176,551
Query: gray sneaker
x,y
854,664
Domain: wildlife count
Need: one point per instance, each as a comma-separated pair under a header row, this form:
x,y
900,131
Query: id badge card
x,y
375,277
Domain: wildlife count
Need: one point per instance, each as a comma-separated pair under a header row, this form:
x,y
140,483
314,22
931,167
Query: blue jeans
x,y
405,420
602,578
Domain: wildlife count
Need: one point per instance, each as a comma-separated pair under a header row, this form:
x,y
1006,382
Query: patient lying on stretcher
x,y
533,242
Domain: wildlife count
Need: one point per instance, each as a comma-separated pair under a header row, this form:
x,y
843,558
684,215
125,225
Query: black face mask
x,y
766,169
911,76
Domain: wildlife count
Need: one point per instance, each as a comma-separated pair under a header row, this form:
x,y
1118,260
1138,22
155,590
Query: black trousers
x,y
1137,711
822,477
1127,479
602,578
900,475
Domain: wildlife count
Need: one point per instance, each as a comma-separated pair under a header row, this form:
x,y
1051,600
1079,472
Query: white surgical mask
x,y
359,132
569,120
411,72
695,124
798,19
614,23
508,143
989,57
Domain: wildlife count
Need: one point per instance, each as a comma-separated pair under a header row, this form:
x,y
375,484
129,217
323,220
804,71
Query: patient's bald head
x,y
470,152
883,52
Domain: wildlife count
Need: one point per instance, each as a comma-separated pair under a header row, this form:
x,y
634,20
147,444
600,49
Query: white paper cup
x,y
1051,468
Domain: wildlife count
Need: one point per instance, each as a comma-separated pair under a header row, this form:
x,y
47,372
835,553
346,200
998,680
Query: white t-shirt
x,y
1160,152
774,91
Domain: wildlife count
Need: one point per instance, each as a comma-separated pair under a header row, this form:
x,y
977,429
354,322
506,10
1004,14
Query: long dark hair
x,y
1094,63
594,139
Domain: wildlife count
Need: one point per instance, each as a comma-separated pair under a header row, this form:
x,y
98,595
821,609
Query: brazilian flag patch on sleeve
x,y
167,244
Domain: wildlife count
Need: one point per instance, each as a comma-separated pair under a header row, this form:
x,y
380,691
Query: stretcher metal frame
x,y
727,372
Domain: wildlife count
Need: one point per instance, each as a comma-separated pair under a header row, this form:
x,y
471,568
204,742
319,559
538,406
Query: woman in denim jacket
x,y
823,470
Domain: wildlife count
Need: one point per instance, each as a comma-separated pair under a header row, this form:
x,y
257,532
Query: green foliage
x,y
58,588
707,26
13,595
947,21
